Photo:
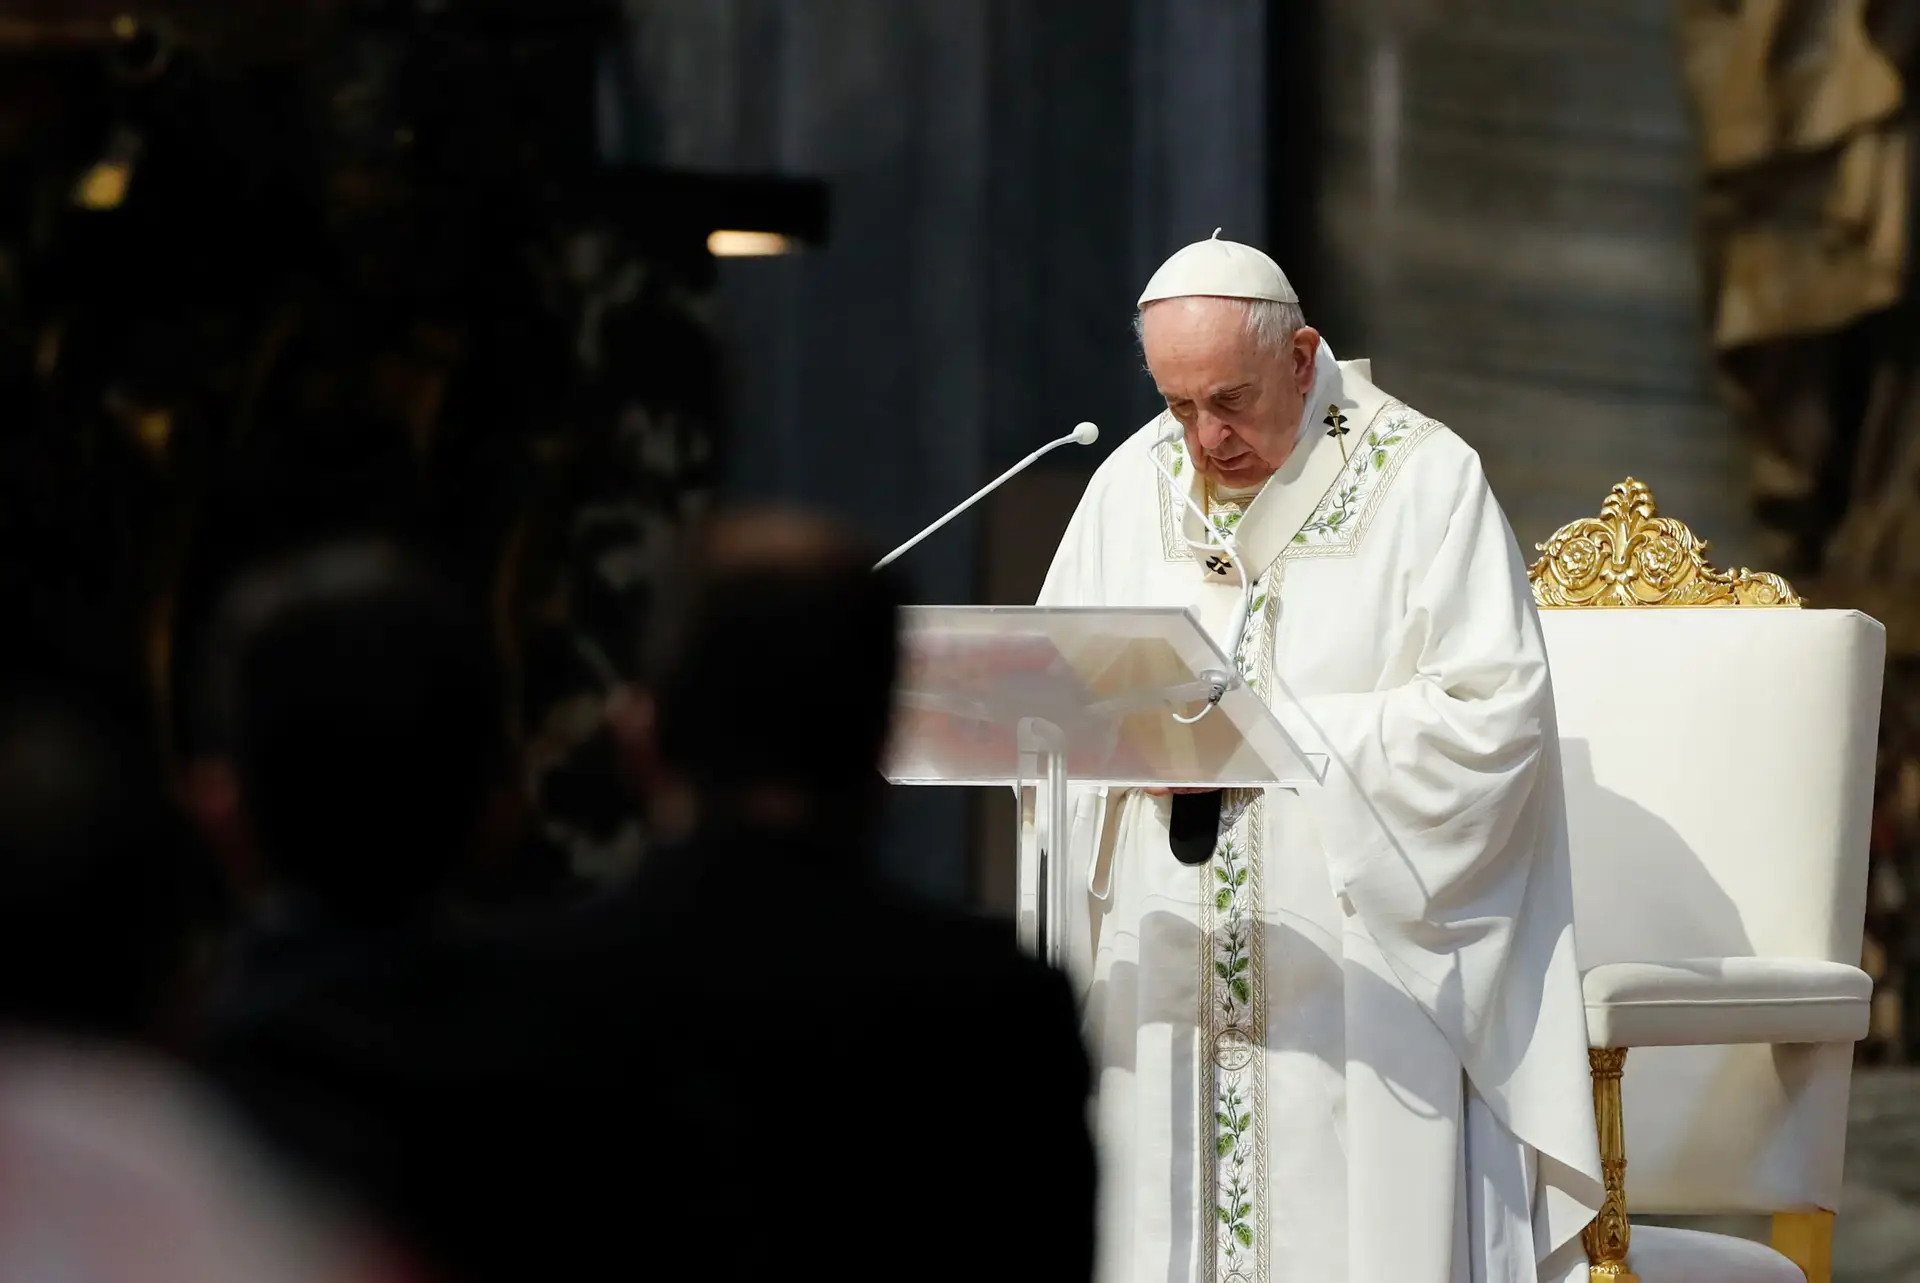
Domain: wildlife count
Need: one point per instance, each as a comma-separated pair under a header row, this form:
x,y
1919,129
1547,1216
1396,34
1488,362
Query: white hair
x,y
1272,324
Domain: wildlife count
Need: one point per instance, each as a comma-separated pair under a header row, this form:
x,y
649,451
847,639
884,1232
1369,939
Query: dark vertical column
x,y
1295,83
1060,228
857,372
1200,124
947,291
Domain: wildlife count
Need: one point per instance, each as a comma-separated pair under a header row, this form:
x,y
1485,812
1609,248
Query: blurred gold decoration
x,y
1815,103
1630,555
104,186
153,429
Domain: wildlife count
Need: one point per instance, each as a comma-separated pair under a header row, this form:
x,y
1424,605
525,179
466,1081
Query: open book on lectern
x,y
1120,694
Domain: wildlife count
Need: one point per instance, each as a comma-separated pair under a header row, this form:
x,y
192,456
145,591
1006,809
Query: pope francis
x,y
1341,1036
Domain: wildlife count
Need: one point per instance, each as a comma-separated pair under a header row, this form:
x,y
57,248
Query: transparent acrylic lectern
x,y
1043,698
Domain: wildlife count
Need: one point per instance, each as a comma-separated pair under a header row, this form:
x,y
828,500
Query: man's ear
x,y
1306,347
210,795
630,720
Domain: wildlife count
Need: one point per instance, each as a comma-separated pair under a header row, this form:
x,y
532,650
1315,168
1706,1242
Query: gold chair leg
x,y
1806,1239
1606,1239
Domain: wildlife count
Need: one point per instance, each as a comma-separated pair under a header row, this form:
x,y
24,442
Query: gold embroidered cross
x,y
1218,565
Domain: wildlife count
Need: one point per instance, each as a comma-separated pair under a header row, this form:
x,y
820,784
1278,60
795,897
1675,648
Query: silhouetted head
x,y
768,691
97,880
362,710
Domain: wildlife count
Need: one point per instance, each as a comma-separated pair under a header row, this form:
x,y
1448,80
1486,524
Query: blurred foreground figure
x,y
361,708
826,1078
113,1167
1339,1031
365,737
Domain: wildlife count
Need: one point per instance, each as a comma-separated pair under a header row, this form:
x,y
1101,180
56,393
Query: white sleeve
x,y
1429,813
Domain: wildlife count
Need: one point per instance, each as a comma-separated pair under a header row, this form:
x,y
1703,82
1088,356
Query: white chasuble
x,y
1352,1045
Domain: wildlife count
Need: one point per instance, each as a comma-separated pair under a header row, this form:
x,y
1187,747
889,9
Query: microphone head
x,y
1173,432
1085,434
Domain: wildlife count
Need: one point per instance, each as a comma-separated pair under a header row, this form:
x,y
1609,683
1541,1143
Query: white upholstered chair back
x,y
1719,770
1719,764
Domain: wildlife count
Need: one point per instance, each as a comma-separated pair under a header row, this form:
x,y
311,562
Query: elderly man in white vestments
x,y
1347,1042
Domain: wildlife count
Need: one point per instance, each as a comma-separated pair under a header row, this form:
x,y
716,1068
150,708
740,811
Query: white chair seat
x,y
1660,1254
1694,1002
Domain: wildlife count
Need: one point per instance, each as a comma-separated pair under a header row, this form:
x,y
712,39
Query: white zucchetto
x,y
1219,269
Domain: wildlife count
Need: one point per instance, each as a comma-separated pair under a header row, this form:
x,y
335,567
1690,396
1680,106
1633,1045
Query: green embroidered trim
x,y
1173,544
1343,515
1233,1018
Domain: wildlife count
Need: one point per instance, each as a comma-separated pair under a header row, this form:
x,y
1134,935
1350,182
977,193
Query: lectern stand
x,y
1040,699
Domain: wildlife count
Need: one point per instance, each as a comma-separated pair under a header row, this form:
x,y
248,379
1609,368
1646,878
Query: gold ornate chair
x,y
1718,744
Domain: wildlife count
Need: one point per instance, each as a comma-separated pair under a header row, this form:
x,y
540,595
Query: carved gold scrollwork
x,y
1630,555
1607,1237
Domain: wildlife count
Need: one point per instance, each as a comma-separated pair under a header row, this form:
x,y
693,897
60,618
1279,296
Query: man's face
x,y
1240,406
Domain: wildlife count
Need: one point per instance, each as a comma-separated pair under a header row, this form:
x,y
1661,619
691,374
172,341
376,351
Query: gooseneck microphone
x,y
1082,434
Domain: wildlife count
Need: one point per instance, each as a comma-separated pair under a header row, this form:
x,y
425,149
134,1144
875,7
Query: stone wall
x,y
1509,219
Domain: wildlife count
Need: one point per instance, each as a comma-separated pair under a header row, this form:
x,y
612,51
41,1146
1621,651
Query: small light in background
x,y
104,186
153,429
728,244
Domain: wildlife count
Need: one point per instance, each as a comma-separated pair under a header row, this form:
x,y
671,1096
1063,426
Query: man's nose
x,y
1210,431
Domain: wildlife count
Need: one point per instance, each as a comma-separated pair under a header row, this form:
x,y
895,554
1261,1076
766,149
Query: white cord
x,y
1216,538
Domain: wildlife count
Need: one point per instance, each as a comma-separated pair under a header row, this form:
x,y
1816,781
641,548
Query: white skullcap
x,y
1221,269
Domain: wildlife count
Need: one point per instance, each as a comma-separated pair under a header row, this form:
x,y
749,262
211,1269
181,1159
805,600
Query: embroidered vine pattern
x,y
1338,519
1329,519
1231,958
1244,660
1379,444
1234,1019
1236,1206
1235,1029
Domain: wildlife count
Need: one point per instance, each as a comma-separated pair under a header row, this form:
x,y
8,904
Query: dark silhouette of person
x,y
823,1075
752,1059
101,893
119,1166
359,734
